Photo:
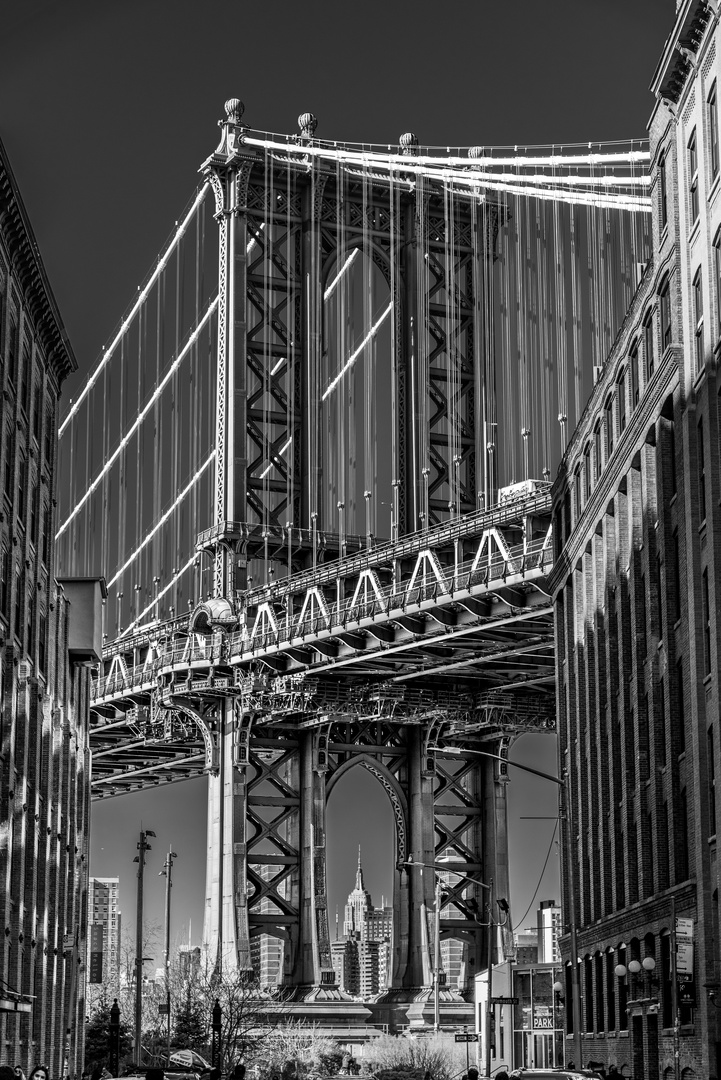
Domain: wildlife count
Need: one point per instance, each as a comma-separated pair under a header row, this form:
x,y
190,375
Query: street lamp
x,y
490,1014
167,873
565,812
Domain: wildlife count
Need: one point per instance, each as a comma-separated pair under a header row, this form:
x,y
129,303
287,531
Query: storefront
x,y
527,1029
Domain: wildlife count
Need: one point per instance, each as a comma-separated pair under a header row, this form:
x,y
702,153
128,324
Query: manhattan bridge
x,y
314,467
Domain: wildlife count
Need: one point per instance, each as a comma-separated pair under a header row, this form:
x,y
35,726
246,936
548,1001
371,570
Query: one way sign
x,y
467,1036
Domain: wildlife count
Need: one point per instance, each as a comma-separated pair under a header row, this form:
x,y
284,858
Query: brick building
x,y
105,915
637,524
49,631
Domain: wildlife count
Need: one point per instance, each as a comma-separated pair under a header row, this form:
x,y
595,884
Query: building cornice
x,y
678,59
32,278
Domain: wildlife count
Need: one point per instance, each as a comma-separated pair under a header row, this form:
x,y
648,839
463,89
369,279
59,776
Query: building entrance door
x,y
538,1050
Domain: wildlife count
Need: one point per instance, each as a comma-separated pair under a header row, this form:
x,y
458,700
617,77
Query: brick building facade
x,y
48,632
637,524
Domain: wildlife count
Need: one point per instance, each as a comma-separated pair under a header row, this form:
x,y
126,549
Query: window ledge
x,y
714,187
695,229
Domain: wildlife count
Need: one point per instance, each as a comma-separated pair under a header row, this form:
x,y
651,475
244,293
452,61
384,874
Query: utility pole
x,y
167,873
142,846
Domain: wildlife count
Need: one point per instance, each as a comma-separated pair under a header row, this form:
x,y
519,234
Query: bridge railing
x,y
535,558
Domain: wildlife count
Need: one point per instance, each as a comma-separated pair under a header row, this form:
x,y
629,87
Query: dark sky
x,y
108,109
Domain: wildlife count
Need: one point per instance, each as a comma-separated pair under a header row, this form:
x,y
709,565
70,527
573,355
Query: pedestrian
x,y
472,1073
19,1073
612,1072
40,1072
7,1072
501,1074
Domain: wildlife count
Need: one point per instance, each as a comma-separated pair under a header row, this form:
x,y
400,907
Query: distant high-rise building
x,y
358,906
103,911
361,960
549,931
526,942
188,961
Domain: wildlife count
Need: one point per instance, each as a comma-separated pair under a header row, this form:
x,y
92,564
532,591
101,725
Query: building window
x,y
44,526
610,991
661,744
667,994
717,277
37,405
706,619
648,344
701,474
712,120
693,176
711,782
8,471
698,317
5,568
20,497
665,305
34,515
19,598
621,395
633,368
609,428
48,436
13,353
663,191
681,710
682,861
586,473
597,452
42,634
577,491
622,992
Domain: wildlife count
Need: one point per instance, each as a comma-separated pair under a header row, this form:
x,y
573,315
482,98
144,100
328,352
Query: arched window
x,y
664,296
608,411
663,191
648,357
621,395
633,369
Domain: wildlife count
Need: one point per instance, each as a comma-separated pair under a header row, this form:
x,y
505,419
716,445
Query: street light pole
x,y
437,959
490,924
490,1011
167,873
566,813
142,846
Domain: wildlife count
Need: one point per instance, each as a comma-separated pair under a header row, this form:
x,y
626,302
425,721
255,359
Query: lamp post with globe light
x,y
565,810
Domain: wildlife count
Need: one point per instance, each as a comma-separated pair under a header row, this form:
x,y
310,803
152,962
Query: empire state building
x,y
362,957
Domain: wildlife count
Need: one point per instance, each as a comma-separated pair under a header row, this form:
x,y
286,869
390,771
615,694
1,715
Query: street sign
x,y
504,1001
163,1008
466,1037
